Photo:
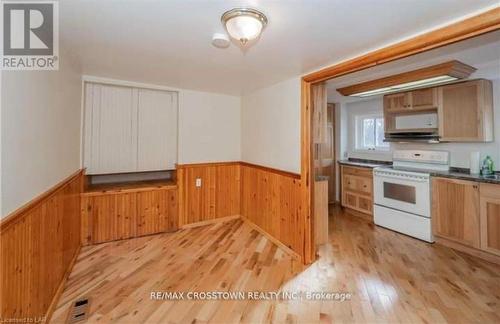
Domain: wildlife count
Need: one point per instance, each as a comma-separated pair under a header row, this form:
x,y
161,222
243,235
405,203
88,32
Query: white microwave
x,y
420,121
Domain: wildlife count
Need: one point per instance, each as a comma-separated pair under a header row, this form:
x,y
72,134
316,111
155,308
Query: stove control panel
x,y
420,156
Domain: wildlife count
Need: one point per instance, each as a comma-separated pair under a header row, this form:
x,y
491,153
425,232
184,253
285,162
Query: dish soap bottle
x,y
487,168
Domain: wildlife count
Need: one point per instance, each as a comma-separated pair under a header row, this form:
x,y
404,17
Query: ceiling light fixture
x,y
429,76
244,24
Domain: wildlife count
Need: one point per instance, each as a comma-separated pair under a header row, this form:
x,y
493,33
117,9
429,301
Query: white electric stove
x,y
402,192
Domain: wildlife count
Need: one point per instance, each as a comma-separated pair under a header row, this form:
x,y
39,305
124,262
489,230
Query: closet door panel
x,y
116,146
87,128
156,130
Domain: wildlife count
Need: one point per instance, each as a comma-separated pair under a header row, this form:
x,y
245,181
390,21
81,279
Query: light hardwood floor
x,y
392,278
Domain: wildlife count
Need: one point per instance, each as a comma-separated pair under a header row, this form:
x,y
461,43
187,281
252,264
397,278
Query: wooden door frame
x,y
480,24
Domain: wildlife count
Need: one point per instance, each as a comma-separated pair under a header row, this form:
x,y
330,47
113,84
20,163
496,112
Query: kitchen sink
x,y
492,176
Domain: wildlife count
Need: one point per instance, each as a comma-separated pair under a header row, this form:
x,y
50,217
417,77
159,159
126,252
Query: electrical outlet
x,y
198,182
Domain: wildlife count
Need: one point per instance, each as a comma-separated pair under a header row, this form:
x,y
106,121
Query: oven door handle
x,y
408,178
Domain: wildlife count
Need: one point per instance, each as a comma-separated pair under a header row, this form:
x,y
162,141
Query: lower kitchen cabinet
x,y
467,213
357,189
121,214
490,218
455,206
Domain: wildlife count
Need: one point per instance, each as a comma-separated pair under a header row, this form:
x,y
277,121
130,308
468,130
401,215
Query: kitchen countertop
x,y
463,174
453,173
364,163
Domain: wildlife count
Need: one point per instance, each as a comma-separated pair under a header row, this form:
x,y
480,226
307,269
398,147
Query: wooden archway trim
x,y
465,29
483,23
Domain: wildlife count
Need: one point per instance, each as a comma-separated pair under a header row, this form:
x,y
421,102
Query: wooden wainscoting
x,y
270,199
38,245
125,213
218,196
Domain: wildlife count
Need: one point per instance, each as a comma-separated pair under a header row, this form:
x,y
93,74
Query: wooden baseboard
x,y
60,289
469,250
282,246
211,221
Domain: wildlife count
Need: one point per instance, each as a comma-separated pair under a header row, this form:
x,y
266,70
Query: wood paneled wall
x,y
271,200
267,197
38,244
217,197
119,215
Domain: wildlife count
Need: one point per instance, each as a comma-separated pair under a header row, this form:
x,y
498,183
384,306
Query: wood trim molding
x,y
306,174
205,164
22,211
474,26
258,166
38,245
273,170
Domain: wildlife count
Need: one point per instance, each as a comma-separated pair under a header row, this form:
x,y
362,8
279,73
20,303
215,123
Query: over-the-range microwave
x,y
415,127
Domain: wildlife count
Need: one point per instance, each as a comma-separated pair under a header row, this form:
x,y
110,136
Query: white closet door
x,y
156,130
114,130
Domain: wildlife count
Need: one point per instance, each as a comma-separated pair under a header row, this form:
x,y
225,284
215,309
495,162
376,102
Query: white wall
x,y
209,127
270,126
40,129
459,152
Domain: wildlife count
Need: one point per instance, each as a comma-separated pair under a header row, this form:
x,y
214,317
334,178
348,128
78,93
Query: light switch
x,y
198,182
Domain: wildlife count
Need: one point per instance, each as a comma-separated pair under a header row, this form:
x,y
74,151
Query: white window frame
x,y
359,134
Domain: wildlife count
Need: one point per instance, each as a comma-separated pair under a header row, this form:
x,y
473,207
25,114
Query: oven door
x,y
402,191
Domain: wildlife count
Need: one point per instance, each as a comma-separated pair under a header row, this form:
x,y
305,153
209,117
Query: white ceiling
x,y
168,42
481,52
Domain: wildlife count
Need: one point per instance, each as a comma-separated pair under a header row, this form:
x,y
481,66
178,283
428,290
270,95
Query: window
x,y
370,133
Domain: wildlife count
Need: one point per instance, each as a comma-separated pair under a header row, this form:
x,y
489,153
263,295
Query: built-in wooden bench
x,y
115,211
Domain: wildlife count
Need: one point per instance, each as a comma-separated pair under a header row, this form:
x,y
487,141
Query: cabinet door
x,y
397,102
108,217
157,130
465,112
365,204
350,200
455,210
350,183
156,211
424,99
490,218
364,185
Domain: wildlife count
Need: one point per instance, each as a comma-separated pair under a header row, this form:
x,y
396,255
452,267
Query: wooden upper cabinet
x,y
397,102
455,210
490,218
424,99
466,112
411,101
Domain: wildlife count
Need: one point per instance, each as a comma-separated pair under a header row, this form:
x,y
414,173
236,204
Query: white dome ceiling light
x,y
244,24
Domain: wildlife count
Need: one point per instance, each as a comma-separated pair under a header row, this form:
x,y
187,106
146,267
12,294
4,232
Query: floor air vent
x,y
79,311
